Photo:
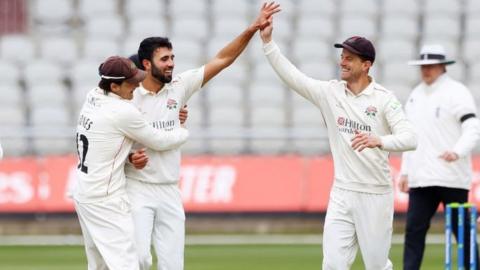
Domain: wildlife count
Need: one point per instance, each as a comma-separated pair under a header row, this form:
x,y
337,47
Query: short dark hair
x,y
105,84
136,61
149,45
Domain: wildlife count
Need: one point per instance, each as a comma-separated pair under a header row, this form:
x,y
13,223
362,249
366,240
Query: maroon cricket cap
x,y
359,46
120,68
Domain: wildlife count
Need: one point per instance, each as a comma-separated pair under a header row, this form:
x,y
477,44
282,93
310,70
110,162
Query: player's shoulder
x,y
456,86
121,110
381,89
452,88
338,85
188,75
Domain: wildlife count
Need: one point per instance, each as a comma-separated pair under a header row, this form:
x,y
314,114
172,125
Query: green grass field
x,y
211,257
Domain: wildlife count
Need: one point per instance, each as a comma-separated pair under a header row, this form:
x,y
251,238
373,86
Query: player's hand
x,y
449,156
139,159
365,140
266,33
403,183
183,114
266,12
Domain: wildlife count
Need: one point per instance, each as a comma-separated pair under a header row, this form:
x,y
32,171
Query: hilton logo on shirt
x,y
166,125
349,126
172,104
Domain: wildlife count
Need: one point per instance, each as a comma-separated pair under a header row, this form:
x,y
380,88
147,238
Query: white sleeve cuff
x,y
269,47
386,142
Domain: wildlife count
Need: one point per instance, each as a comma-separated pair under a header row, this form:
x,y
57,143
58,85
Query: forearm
x,y
226,56
405,163
166,140
137,129
229,53
402,139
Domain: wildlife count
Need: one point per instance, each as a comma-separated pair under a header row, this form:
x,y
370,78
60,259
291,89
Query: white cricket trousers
x,y
353,220
107,229
158,217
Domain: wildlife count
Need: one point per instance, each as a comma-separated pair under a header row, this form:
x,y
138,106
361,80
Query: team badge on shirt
x,y
371,111
172,104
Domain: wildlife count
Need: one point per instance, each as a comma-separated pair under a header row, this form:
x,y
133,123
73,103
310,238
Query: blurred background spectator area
x,y
50,51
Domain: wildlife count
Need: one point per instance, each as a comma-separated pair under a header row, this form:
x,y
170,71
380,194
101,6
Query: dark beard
x,y
159,76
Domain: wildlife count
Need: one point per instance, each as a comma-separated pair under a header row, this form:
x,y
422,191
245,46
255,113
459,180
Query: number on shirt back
x,y
82,153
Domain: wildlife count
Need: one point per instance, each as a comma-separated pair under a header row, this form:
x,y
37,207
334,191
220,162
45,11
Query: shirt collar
x,y
438,81
145,92
100,91
367,91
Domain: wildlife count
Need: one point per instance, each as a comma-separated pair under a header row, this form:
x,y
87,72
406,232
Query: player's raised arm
x,y
229,53
296,80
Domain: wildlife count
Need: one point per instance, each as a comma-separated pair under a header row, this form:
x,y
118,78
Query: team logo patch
x,y
172,104
371,111
395,105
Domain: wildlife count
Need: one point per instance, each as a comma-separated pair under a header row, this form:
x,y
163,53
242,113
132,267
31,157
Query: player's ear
x,y
367,64
146,64
114,87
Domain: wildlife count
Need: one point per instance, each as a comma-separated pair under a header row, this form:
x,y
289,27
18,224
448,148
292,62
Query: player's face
x,y
352,66
431,72
124,90
162,66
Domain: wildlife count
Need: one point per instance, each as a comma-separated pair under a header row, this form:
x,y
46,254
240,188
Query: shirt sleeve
x,y
192,80
402,137
464,109
462,103
405,163
469,138
130,122
307,87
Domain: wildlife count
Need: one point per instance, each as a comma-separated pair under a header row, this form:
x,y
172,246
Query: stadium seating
x,y
245,109
225,94
9,74
17,49
409,9
228,9
60,49
317,8
144,9
89,9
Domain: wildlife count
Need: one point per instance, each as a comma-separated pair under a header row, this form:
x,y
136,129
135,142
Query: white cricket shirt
x,y
375,110
106,129
161,110
436,111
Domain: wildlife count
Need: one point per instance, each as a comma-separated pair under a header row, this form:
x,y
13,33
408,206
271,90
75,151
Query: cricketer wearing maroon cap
x,y
359,46
120,76
106,129
364,122
120,68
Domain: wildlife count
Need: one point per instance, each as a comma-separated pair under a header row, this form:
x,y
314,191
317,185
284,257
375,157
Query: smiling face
x,y
124,90
352,66
161,66
431,72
